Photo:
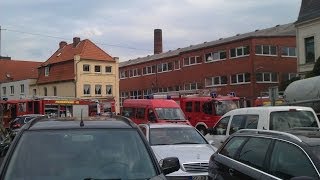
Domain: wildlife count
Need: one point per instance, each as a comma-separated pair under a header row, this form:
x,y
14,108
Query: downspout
x,y
77,59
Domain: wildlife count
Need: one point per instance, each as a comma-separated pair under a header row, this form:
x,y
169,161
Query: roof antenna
x,y
81,120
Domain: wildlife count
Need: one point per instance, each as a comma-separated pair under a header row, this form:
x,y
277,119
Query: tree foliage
x,y
316,69
285,84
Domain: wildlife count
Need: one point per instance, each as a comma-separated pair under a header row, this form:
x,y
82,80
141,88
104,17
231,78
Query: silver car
x,y
182,141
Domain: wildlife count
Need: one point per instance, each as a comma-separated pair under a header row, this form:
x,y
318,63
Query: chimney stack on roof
x,y
62,44
76,41
157,41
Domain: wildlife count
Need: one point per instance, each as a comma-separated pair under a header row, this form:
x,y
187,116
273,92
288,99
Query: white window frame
x,y
22,88
87,94
134,73
212,81
244,79
236,49
174,65
95,89
270,76
88,65
189,60
190,85
269,49
212,55
95,69
105,69
125,73
166,64
4,91
11,90
46,71
109,86
123,96
288,51
147,68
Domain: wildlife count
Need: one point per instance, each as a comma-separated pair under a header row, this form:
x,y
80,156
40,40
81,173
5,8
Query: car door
x,y
219,134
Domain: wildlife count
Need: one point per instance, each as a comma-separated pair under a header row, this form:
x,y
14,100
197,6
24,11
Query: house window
x,y
309,49
266,50
98,89
165,67
22,88
135,72
267,77
215,56
136,94
123,74
192,60
34,91
108,69
149,70
176,64
86,68
123,96
86,89
288,51
4,90
45,91
11,90
240,78
146,93
46,71
55,91
239,52
191,86
216,81
288,76
109,89
97,69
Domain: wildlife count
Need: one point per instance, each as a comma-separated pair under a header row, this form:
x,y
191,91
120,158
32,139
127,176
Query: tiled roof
x,y
310,9
16,70
86,49
277,31
59,72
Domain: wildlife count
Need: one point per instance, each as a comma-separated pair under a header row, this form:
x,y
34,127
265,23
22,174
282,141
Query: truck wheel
x,y
202,130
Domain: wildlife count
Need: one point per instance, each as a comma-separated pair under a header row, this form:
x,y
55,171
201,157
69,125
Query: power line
x,y
62,38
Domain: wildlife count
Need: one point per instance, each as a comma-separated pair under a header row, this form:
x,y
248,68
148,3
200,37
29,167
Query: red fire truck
x,y
203,111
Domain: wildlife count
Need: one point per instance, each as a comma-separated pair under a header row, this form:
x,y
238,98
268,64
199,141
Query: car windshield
x,y
171,136
170,114
223,107
284,120
80,154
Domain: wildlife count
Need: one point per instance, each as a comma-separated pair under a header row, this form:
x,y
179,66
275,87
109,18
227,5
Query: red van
x,y
143,111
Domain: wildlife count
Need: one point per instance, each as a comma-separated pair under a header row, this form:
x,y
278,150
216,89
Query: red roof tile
x,y
18,70
59,72
86,49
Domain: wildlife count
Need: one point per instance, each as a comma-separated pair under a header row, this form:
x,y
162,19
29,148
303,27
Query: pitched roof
x,y
277,31
86,49
16,70
310,9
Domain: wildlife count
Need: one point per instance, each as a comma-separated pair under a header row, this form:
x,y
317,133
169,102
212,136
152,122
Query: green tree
x,y
315,71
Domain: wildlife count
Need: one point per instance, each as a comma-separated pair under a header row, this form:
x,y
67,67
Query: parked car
x,y
279,118
111,148
19,121
182,141
266,154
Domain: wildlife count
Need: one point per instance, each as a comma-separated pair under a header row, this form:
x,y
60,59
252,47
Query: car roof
x,y
64,123
268,109
169,125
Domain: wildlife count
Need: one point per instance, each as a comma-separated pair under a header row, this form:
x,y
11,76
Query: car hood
x,y
185,152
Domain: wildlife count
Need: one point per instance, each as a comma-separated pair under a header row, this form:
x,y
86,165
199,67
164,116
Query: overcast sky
x,y
124,28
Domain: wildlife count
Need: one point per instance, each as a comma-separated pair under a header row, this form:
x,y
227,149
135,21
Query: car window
x,y
128,112
289,161
232,146
284,120
222,126
81,154
144,130
188,106
244,122
140,113
254,152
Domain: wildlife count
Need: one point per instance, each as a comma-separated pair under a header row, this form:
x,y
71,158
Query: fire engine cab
x,y
204,111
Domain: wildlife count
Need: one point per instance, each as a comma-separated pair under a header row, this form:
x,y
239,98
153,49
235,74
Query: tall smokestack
x,y
157,41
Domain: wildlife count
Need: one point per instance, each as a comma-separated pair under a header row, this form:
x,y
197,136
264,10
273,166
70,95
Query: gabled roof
x,y
309,10
85,48
277,31
16,70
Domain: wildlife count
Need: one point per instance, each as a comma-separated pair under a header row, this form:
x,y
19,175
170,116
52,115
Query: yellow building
x,y
79,70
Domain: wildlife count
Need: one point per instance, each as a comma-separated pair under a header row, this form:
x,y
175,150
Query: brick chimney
x,y
62,44
157,41
76,41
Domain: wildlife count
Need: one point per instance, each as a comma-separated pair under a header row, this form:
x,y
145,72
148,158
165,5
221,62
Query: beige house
x,y
79,70
308,35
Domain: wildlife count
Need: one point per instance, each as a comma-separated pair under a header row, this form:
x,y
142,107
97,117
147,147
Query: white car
x,y
182,141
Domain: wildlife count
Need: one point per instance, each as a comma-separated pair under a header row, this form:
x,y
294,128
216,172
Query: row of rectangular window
x,y
45,91
97,68
4,90
98,89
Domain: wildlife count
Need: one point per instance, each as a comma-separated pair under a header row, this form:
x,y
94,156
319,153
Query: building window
x,y
146,93
191,86
86,68
86,89
215,56
216,81
309,49
239,52
165,67
136,94
55,91
45,91
22,88
34,91
46,71
123,74
109,89
108,69
149,70
11,90
4,90
98,89
288,51
240,78
135,72
266,77
192,60
176,65
123,96
266,50
97,69
289,76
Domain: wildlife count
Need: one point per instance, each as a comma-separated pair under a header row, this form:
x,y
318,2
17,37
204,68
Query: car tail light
x,y
17,125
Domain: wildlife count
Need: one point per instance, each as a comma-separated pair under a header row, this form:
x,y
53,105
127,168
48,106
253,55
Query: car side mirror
x,y
211,142
302,178
169,165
